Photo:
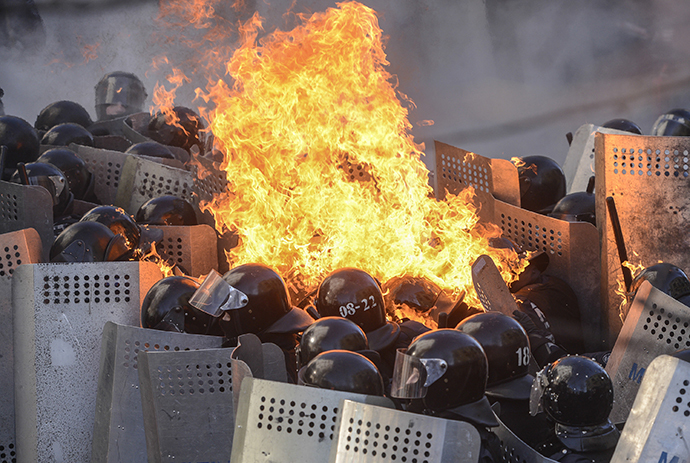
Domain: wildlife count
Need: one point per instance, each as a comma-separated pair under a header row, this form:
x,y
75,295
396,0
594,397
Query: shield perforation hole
x,y
201,378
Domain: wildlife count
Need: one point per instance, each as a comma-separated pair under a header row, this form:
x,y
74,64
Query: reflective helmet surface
x,y
464,381
182,127
82,242
576,207
117,220
342,370
330,333
152,149
578,392
667,278
505,344
66,133
61,112
354,294
268,308
407,293
624,125
119,94
542,182
167,210
21,141
78,176
675,123
166,307
52,179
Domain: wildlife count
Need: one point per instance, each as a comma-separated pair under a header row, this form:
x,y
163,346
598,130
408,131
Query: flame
x,y
517,162
323,171
152,255
622,291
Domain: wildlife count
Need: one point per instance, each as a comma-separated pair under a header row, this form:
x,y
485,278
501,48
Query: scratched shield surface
x,y
656,324
658,424
649,180
59,313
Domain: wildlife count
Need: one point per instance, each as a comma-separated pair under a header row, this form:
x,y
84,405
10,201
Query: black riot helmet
x,y
60,112
79,178
166,307
21,141
675,123
330,333
542,182
354,294
67,133
576,207
667,278
576,391
52,179
117,220
506,345
152,149
119,94
342,370
167,210
402,294
448,370
88,242
179,126
623,125
268,308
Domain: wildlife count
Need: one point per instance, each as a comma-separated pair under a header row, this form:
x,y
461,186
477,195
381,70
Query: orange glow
x,y
635,270
323,171
152,256
517,162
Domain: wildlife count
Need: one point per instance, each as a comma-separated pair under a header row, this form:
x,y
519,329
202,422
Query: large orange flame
x,y
323,170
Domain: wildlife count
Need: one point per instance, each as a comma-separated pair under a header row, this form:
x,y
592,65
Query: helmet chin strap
x,y
588,438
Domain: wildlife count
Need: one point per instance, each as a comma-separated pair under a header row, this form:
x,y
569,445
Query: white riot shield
x,y
367,433
106,167
26,206
193,248
658,424
285,422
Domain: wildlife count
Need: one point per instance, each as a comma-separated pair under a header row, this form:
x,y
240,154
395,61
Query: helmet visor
x,y
538,386
215,296
412,375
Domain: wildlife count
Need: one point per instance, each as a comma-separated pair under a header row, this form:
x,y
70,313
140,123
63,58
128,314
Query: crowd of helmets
x,y
349,335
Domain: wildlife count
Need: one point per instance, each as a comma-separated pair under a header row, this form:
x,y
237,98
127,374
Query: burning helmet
x,y
21,141
330,333
574,391
542,182
342,370
80,180
409,293
119,94
675,123
117,220
448,370
507,349
665,277
576,207
88,242
52,179
66,133
167,210
166,307
354,294
624,125
180,127
152,149
265,306
61,112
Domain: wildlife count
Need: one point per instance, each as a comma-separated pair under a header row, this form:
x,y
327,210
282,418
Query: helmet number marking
x,y
350,308
523,356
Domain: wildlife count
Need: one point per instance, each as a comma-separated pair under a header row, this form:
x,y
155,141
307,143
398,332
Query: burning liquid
x,y
323,170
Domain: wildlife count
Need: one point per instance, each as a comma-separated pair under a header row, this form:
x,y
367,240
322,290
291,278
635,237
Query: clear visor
x,y
412,375
215,296
538,386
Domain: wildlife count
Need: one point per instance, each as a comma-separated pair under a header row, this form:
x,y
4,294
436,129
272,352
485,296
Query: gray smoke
x,y
500,78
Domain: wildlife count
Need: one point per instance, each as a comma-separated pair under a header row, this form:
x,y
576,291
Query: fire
x,y
622,291
323,170
517,162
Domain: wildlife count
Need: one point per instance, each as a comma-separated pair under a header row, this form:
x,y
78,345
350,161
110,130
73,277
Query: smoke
x,y
500,78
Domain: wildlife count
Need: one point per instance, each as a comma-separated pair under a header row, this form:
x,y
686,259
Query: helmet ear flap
x,y
117,248
73,252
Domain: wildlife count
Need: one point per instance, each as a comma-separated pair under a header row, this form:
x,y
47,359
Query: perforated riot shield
x,y
16,248
656,324
188,405
367,433
285,422
119,434
491,288
193,248
648,177
106,167
657,427
26,206
59,311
